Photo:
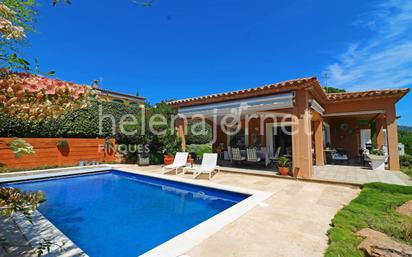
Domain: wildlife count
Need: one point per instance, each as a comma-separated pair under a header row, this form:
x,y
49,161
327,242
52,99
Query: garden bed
x,y
374,208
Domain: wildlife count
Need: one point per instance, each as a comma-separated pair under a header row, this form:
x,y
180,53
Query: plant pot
x,y
168,159
284,171
190,160
377,161
143,160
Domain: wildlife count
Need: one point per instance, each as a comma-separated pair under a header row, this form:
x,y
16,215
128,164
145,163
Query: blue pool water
x,y
121,214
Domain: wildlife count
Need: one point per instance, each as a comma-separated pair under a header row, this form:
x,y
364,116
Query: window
x,y
238,140
326,134
365,138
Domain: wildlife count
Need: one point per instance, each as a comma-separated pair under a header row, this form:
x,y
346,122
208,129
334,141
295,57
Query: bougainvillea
x,y
34,98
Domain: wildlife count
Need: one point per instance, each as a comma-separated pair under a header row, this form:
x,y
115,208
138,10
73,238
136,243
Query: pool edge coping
x,y
184,242
42,228
176,246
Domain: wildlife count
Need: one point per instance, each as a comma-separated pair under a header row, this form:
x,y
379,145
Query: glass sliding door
x,y
282,138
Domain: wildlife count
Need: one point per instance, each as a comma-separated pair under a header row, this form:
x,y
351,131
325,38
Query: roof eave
x,y
281,87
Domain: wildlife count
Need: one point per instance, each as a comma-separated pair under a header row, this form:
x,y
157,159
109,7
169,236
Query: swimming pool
x,y
116,213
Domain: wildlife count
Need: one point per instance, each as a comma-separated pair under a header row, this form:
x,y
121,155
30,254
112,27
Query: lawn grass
x,y
374,208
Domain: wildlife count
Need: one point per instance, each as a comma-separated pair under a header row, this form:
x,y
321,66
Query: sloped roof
x,y
105,91
290,85
249,92
345,96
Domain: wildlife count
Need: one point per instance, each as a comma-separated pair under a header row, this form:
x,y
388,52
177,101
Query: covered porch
x,y
255,132
298,120
348,130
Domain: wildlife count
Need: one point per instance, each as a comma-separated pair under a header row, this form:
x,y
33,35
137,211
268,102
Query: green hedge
x,y
200,149
82,123
201,137
406,161
405,137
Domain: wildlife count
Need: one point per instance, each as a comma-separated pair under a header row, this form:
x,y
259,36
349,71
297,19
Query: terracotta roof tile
x,y
289,85
397,92
249,92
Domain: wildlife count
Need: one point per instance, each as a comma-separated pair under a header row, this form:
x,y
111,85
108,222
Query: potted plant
x,y
63,147
168,159
378,158
21,147
284,164
171,145
62,144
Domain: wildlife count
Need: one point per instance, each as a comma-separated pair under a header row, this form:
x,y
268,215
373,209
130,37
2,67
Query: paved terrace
x,y
292,222
354,175
359,175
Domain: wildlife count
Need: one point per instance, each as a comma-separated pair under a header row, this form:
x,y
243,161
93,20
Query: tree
x,y
199,132
334,90
405,137
16,20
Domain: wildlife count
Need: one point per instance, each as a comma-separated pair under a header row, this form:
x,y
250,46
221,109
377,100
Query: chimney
x,y
95,83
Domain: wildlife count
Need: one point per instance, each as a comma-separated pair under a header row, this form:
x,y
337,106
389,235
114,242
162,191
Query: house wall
x,y
360,105
345,133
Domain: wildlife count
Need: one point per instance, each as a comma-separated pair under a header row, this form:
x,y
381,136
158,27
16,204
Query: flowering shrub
x,y
34,98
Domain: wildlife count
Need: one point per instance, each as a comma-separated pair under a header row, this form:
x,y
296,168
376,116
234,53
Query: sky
x,y
175,49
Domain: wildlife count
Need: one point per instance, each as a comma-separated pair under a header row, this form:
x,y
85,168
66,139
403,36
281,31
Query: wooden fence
x,y
48,154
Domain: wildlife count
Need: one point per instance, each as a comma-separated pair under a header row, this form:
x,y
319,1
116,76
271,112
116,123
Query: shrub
x,y
62,143
167,143
199,132
405,137
200,149
3,168
406,161
13,200
156,158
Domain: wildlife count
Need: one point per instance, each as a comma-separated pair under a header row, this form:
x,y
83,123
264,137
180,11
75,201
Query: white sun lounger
x,y
209,164
180,161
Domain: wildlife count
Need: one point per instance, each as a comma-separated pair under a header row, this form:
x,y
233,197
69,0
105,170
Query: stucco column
x,y
380,137
181,133
318,127
301,137
392,135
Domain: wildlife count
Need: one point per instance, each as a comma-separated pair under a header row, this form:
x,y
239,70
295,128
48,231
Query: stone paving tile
x,y
294,222
17,243
359,175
